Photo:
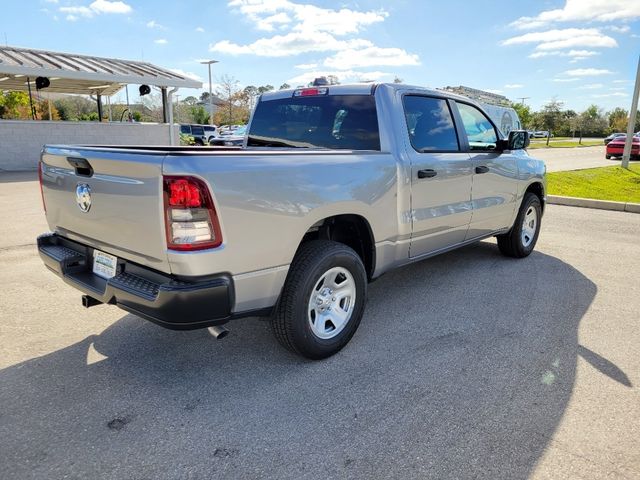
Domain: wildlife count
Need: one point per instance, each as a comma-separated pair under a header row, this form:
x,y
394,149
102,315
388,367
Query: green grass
x,y
565,144
606,183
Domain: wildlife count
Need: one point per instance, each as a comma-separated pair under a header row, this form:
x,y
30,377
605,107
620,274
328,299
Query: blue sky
x,y
580,51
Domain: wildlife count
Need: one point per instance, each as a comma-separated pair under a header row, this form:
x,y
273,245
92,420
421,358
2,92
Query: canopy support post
x,y
165,112
99,101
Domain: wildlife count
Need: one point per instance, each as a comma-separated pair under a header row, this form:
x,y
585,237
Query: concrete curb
x,y
591,203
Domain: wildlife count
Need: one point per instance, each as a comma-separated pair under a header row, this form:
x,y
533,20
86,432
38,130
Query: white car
x,y
541,134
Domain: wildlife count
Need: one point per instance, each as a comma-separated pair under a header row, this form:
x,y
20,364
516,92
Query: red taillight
x,y
191,221
40,167
183,193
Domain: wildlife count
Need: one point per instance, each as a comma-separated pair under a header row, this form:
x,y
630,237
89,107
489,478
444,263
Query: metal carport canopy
x,y
81,74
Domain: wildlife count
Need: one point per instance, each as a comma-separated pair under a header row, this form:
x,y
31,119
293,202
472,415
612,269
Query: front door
x,y
440,176
495,174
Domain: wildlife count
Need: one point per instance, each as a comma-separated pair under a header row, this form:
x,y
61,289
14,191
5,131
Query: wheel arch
x,y
349,229
537,188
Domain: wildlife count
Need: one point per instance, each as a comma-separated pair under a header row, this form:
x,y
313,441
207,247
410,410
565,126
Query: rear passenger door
x,y
440,175
495,173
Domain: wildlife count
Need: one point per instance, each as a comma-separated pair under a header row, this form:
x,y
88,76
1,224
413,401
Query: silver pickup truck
x,y
334,186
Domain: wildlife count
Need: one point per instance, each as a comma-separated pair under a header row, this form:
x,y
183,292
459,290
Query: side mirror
x,y
518,139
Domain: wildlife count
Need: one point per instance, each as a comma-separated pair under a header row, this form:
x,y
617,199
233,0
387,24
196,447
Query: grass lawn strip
x,y
605,183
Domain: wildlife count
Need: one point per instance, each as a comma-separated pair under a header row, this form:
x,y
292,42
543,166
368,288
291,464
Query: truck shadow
x,y
462,368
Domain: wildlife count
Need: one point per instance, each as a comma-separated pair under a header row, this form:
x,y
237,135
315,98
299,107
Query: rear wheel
x,y
607,156
520,241
322,301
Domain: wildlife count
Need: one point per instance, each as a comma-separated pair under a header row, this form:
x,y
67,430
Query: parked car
x,y
209,132
230,137
615,147
197,132
541,134
295,225
613,136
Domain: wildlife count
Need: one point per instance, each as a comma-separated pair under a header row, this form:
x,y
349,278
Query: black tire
x,y
291,321
511,244
607,156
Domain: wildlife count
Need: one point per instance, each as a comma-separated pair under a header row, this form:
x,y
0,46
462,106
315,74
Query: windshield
x,y
323,121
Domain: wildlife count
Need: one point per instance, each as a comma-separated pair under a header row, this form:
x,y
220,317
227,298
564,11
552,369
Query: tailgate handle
x,y
82,166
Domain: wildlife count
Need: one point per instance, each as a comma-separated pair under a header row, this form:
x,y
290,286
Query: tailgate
x,y
124,188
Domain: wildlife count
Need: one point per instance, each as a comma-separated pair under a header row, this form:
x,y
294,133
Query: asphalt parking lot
x,y
558,159
468,365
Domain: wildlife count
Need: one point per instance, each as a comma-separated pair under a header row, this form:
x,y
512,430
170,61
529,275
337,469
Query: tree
x,y
524,114
618,120
333,80
550,116
265,88
15,106
199,114
593,122
284,86
397,80
191,100
235,101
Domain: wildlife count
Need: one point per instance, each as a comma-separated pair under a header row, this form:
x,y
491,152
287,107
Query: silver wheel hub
x,y
529,226
331,303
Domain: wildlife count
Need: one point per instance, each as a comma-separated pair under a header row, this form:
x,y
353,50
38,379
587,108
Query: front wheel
x,y
520,241
607,156
322,300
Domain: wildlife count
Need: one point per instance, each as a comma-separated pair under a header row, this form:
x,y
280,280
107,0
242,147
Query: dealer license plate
x,y
104,265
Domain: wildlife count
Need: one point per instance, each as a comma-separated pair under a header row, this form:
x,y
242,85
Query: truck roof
x,y
360,89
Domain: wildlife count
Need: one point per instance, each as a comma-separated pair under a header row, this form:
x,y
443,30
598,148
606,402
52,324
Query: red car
x,y
616,146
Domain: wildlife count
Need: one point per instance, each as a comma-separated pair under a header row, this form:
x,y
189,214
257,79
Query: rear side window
x,y
480,131
197,131
185,129
324,121
430,124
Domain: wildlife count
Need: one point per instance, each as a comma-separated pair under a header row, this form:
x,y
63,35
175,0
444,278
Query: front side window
x,y
430,124
480,131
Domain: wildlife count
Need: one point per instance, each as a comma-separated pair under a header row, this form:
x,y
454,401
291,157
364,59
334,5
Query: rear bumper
x,y
179,304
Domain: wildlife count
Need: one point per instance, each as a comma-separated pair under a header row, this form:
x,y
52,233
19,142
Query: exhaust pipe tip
x,y
218,332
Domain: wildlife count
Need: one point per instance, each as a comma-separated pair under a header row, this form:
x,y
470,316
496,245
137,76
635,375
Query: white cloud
x,y
187,74
306,66
77,11
513,85
559,39
293,43
267,23
608,95
621,81
560,53
51,1
154,24
307,18
587,72
105,6
583,11
199,29
345,76
615,28
161,41
96,8
565,80
371,56
591,86
306,28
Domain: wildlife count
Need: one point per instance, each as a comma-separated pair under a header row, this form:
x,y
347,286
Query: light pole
x,y
626,153
209,62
